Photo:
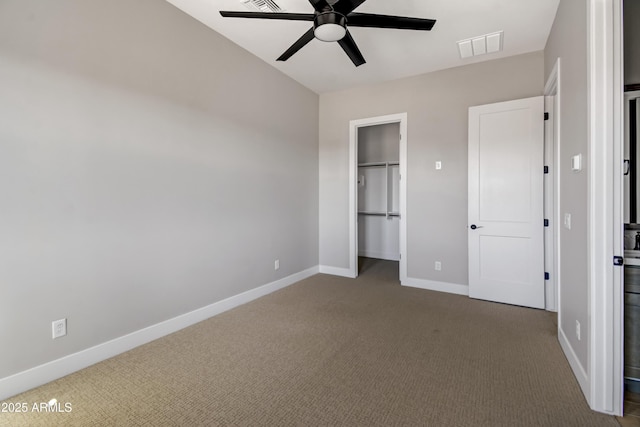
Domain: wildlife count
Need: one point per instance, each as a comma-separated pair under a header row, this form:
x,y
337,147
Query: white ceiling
x,y
390,53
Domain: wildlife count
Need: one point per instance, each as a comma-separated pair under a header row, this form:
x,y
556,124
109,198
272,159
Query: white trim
x,y
337,271
605,220
617,192
353,200
574,362
353,187
404,178
552,197
432,285
42,374
551,87
550,293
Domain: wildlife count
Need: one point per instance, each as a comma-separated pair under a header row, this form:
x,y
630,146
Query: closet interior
x,y
379,191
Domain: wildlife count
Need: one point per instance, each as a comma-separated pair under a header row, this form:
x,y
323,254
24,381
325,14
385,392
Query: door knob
x,y
473,226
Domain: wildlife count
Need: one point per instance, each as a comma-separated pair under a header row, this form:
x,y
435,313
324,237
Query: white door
x,y
506,224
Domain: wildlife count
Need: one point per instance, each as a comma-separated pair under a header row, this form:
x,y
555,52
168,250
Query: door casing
x,y
400,118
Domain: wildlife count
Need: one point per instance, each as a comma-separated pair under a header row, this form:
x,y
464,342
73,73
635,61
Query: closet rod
x,y
372,213
377,164
378,213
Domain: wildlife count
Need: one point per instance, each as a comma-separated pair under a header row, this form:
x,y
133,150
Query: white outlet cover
x,y
438,165
59,328
567,221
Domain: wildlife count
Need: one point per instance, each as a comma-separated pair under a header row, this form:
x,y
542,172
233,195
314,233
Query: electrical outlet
x,y
578,330
438,266
567,221
276,265
438,165
59,328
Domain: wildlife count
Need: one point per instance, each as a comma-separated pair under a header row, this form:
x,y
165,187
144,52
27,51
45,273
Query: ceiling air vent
x,y
261,5
489,43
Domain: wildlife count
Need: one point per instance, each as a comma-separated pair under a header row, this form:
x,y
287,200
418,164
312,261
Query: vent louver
x,y
262,5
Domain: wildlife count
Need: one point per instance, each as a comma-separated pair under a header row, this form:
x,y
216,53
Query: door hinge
x,y
546,116
546,222
618,260
546,276
546,169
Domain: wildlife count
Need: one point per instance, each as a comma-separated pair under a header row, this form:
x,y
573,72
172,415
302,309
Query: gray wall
x,y
379,143
568,41
437,106
148,167
631,42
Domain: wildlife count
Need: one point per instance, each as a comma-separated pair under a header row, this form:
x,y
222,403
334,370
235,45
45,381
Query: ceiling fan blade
x,y
302,41
320,5
351,49
269,15
347,6
387,21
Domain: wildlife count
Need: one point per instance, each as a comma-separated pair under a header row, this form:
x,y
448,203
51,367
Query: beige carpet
x,y
335,352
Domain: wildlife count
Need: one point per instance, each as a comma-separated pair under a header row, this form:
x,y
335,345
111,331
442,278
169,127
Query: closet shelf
x,y
372,213
377,164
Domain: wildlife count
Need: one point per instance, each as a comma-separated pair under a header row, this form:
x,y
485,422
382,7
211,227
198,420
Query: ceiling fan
x,y
330,21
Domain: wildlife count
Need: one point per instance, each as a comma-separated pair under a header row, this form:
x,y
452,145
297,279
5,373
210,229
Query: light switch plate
x,y
576,163
438,165
567,221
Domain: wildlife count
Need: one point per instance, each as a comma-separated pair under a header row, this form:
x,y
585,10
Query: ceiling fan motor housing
x,y
329,26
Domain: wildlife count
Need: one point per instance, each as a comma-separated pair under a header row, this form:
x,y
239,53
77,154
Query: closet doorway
x,y
378,187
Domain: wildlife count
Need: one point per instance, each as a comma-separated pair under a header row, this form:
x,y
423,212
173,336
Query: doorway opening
x,y
377,196
631,240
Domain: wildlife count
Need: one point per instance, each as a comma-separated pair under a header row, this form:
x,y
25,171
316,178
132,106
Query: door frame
x,y
605,389
552,189
400,118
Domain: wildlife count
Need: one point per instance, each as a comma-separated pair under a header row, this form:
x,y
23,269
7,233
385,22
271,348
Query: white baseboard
x,y
574,362
336,271
389,256
42,374
432,285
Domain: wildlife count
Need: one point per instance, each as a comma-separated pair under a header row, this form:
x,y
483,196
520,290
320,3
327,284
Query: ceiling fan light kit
x,y
330,24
